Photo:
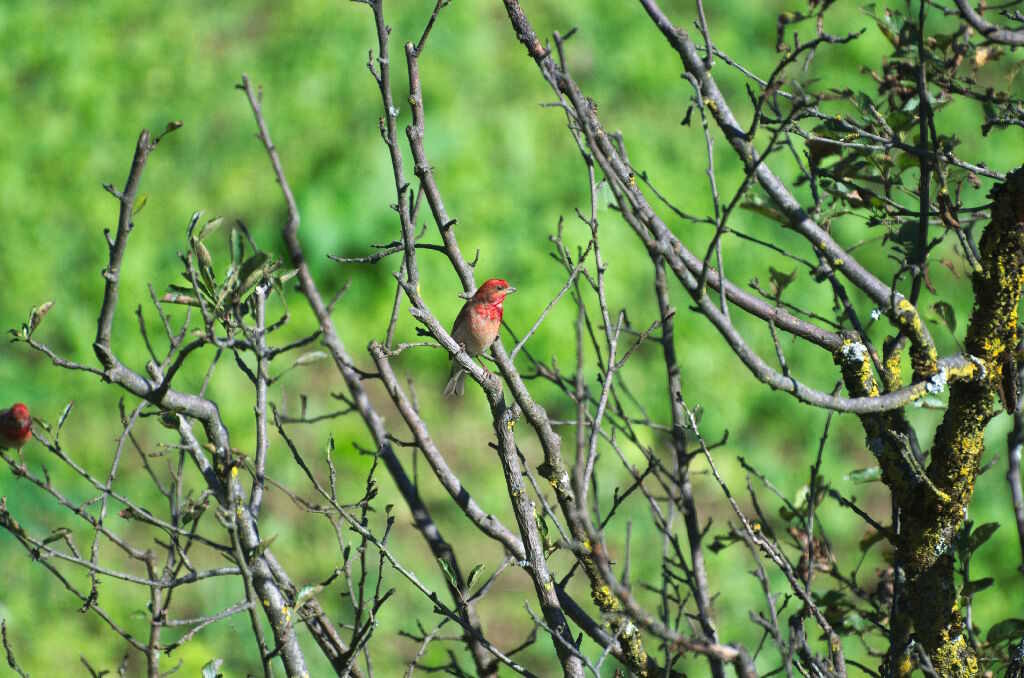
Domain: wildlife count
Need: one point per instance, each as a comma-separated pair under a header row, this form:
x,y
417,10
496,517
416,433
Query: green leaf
x,y
863,101
237,247
905,236
757,204
948,142
263,545
799,504
250,273
886,24
205,263
306,594
972,587
855,622
229,284
193,220
697,411
209,227
864,475
542,525
473,574
212,668
205,287
901,121
57,534
780,281
943,40
980,535
309,358
945,311
720,542
834,599
171,127
140,203
1008,629
38,313
447,569
870,540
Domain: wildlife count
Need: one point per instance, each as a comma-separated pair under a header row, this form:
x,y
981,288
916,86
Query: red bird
x,y
476,327
15,426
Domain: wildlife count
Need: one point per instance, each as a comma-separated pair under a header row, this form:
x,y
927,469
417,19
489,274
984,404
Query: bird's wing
x,y
460,326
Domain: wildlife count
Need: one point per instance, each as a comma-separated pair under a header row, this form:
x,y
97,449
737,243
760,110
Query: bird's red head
x,y
15,426
20,416
493,291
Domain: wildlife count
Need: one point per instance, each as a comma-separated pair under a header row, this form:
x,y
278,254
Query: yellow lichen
x,y
603,597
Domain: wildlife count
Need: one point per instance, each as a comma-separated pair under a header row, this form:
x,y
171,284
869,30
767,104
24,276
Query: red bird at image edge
x,y
15,426
476,327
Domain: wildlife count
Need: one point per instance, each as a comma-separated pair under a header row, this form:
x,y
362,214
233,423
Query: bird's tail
x,y
456,382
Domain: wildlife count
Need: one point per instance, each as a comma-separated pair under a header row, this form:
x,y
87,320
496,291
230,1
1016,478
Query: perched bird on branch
x,y
476,327
15,426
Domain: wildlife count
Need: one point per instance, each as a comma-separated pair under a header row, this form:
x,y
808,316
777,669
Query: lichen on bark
x,y
931,513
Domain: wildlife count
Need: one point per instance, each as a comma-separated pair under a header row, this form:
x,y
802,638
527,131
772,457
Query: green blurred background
x,y
78,83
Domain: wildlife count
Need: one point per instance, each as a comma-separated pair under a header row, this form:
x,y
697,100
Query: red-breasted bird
x,y
476,327
15,426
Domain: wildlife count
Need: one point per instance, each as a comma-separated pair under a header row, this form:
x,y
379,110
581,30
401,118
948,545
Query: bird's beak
x,y
509,290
